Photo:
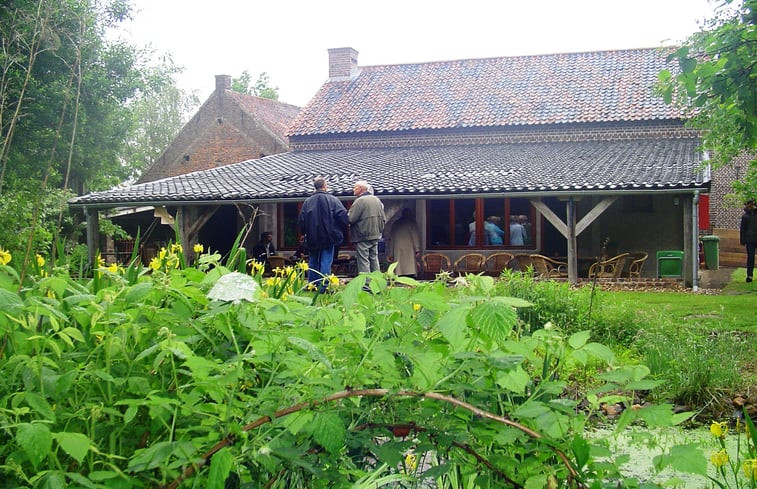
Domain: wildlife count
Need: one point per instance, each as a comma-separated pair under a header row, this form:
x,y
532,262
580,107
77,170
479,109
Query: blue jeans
x,y
750,250
319,265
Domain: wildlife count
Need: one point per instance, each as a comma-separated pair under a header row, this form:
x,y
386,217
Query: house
x,y
574,145
228,128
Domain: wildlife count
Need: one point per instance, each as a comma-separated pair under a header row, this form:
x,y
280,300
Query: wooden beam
x,y
593,214
93,235
572,245
550,216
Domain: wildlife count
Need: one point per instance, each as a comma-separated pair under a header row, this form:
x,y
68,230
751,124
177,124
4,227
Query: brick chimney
x,y
342,64
223,82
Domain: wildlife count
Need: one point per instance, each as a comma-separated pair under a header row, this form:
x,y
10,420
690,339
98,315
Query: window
x,y
480,223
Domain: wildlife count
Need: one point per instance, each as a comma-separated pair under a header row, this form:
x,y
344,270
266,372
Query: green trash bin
x,y
670,264
711,249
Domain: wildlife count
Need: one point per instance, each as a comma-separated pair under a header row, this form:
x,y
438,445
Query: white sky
x,y
289,39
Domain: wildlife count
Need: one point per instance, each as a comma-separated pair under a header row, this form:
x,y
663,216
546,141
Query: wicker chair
x,y
469,263
496,262
434,263
520,262
609,268
548,268
634,264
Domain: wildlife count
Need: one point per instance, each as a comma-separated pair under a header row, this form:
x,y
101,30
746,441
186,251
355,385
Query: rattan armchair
x,y
433,263
548,268
469,263
634,263
609,268
496,262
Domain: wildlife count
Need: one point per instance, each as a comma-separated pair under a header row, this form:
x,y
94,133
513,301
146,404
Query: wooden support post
x,y
93,235
572,247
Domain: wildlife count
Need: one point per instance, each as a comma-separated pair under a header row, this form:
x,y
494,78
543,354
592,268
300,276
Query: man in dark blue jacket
x,y
748,236
322,219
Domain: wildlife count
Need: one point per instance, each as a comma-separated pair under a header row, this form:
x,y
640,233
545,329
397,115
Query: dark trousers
x,y
750,250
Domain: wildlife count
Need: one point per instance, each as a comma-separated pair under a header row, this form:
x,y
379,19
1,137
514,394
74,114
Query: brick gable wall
x,y
220,133
725,212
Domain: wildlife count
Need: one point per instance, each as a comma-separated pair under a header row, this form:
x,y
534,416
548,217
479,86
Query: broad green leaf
x,y
81,480
130,414
452,326
579,339
36,441
684,458
494,321
514,380
580,449
75,444
220,467
74,333
329,432
40,405
599,351
656,415
137,292
310,348
295,422
351,291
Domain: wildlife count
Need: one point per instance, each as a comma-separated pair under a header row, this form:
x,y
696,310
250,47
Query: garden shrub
x,y
147,377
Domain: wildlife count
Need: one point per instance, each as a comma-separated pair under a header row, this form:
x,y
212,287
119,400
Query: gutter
x,y
462,194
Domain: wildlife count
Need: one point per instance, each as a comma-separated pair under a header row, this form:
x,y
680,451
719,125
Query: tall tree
x,y
717,82
261,88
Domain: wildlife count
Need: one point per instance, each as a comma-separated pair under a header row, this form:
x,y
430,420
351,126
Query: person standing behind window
x,y
517,236
748,236
366,216
321,220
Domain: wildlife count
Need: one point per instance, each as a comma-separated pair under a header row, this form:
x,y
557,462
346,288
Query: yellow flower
x,y
333,280
750,468
155,263
303,266
411,461
719,429
288,271
198,248
113,268
176,248
719,459
270,281
416,307
162,253
100,261
40,260
5,257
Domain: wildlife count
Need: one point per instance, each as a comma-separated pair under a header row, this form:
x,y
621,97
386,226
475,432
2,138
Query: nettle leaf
x,y
515,380
295,422
656,415
35,440
329,432
74,444
136,293
220,467
579,339
494,321
452,326
310,348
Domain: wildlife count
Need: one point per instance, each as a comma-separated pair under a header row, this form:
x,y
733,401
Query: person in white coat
x,y
406,244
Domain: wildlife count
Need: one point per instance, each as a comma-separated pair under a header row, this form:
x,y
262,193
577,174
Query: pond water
x,y
642,446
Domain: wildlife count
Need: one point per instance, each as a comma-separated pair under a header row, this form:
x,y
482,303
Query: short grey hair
x,y
319,183
362,183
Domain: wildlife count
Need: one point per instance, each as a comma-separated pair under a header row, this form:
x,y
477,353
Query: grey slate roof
x,y
644,164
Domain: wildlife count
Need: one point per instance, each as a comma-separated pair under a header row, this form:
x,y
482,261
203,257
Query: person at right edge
x,y
748,236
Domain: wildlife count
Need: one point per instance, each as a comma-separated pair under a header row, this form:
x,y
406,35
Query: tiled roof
x,y
277,116
644,164
598,86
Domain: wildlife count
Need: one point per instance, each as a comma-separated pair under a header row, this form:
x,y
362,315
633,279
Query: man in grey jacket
x,y
366,216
